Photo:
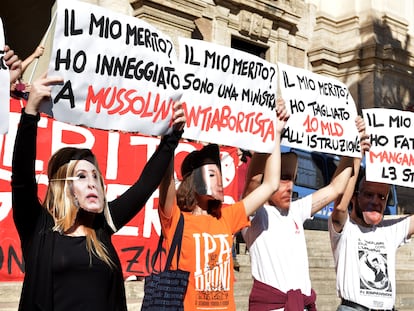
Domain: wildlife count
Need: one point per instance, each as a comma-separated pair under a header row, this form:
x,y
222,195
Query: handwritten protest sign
x,y
391,156
119,71
229,95
4,89
322,111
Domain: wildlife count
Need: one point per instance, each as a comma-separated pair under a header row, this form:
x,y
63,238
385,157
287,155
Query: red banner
x,y
122,157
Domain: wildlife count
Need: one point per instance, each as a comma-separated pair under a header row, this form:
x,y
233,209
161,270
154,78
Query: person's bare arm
x,y
340,212
36,54
256,193
341,204
335,188
255,171
167,189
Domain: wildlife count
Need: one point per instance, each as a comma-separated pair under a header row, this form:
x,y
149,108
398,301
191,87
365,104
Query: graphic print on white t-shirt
x,y
374,279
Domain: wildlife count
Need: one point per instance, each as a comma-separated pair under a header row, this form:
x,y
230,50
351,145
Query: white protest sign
x,y
229,96
5,86
322,111
391,156
119,71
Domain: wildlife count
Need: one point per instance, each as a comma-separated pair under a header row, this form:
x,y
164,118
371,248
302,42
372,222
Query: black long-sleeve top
x,y
34,223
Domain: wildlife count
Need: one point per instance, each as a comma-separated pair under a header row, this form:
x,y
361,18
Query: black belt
x,y
359,307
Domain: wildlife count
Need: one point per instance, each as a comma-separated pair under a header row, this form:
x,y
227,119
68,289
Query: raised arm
x,y
167,191
336,187
257,192
36,54
340,212
255,171
125,207
26,205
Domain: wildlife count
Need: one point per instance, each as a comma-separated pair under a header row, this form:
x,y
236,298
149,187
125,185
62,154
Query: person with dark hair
x,y
364,244
209,227
70,261
276,238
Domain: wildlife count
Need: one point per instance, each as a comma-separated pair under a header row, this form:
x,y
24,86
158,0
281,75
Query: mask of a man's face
x,y
372,201
208,181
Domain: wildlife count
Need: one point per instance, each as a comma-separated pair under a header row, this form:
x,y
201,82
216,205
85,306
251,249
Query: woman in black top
x,y
70,261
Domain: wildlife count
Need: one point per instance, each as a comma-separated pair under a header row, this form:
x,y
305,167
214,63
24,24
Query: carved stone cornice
x,y
193,8
254,25
258,18
178,14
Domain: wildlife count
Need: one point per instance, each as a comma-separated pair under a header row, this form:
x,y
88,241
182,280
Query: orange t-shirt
x,y
206,254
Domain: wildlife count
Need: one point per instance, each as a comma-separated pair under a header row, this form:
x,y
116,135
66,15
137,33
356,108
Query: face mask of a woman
x,y
208,181
87,188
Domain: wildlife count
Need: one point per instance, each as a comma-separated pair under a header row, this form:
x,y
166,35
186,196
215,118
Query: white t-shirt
x,y
365,261
277,246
